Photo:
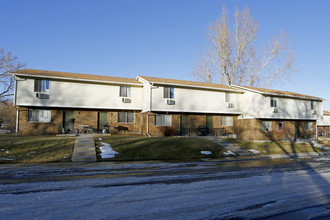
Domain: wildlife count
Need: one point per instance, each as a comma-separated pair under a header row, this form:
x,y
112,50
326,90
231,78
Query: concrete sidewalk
x,y
84,149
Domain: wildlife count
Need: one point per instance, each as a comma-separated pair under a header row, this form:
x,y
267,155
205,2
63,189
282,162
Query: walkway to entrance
x,y
84,149
228,146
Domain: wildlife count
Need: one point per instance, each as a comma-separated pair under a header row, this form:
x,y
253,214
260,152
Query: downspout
x,y
17,117
150,103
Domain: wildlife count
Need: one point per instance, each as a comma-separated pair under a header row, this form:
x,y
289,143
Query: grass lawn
x,y
16,148
159,148
325,141
266,148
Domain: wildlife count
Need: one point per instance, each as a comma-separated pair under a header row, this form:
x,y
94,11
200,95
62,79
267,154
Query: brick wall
x,y
39,128
250,129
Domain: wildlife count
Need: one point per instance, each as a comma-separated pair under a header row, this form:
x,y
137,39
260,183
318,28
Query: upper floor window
x,y
125,91
266,126
226,120
163,120
126,117
41,85
169,92
227,97
273,102
36,115
312,105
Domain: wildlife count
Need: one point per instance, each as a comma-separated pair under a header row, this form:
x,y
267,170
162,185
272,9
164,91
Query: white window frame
x,y
163,120
168,92
125,91
265,126
227,120
126,117
273,102
41,85
40,115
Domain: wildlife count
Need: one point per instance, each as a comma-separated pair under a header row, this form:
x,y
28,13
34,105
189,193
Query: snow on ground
x,y
206,152
229,153
254,151
7,152
100,139
107,151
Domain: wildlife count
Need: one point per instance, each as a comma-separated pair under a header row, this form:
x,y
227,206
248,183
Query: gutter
x,y
79,80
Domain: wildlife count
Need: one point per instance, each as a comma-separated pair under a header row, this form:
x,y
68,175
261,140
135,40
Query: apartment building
x,y
51,102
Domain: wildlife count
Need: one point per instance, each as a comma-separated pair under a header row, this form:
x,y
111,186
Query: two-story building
x,y
323,125
52,102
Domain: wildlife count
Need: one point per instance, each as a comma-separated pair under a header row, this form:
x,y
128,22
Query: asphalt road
x,y
246,189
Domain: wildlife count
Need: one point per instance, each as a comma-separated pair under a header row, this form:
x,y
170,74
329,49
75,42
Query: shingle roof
x,y
46,73
185,83
279,92
326,113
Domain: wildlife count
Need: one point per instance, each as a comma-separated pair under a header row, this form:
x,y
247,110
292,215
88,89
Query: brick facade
x,y
248,129
39,128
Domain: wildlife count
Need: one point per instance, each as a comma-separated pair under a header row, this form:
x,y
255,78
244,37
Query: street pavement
x,y
210,189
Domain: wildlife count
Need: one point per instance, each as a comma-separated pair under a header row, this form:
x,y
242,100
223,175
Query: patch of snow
x,y
7,152
7,159
206,152
2,149
229,153
107,151
254,151
100,139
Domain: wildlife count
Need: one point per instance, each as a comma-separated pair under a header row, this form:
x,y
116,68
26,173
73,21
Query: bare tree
x,y
233,57
8,63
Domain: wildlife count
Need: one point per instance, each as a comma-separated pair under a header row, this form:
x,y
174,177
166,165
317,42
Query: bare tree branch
x,y
8,63
233,57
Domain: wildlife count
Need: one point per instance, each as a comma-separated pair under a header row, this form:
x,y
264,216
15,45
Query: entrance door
x,y
209,124
184,125
297,131
68,121
102,118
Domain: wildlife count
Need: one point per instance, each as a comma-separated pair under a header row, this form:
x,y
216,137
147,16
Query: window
x,y
125,91
41,85
308,126
280,126
227,97
312,105
226,120
36,115
169,92
273,102
266,126
125,117
163,120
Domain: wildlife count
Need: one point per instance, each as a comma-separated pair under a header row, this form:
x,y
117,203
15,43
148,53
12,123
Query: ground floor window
x,y
125,117
163,120
37,115
266,126
308,126
226,120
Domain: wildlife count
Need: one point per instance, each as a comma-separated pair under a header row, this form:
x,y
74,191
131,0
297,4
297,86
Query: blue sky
x,y
158,38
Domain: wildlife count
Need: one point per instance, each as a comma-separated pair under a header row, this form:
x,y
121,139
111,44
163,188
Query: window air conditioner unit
x,y
170,102
315,112
275,110
42,96
230,105
126,100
